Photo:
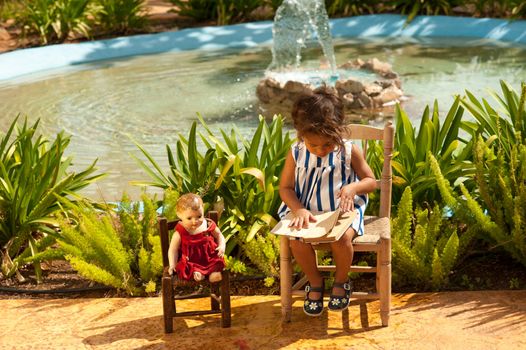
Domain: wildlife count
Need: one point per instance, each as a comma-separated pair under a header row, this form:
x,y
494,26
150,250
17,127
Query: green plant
x,y
509,125
54,20
502,189
518,10
421,7
121,16
190,170
349,7
250,189
493,8
221,11
410,160
124,253
515,283
425,248
34,176
240,172
9,9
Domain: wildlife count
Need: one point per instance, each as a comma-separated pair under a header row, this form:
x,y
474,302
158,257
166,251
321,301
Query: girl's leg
x,y
306,258
342,253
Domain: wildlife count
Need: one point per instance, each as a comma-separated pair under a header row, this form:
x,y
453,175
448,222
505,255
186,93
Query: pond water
x,y
151,99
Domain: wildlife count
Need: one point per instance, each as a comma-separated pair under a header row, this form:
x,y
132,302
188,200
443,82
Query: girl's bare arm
x,y
288,195
366,184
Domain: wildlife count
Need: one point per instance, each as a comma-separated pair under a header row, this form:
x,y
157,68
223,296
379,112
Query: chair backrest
x,y
385,134
166,226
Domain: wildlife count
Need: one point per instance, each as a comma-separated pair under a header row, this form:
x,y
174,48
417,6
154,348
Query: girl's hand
x,y
346,195
220,250
301,219
171,270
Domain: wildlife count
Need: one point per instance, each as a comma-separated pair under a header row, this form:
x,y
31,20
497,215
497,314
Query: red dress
x,y
198,253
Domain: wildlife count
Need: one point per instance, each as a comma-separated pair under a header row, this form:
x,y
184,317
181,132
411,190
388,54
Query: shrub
x,y
410,159
54,20
121,16
221,11
425,247
242,174
121,249
502,190
34,176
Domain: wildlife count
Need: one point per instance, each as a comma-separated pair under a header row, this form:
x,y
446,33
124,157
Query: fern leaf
x,y
437,272
450,253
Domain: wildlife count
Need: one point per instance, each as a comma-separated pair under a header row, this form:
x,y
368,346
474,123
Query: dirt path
x,y
460,320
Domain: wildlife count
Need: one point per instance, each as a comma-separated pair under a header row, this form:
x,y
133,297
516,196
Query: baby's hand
x,y
171,270
220,250
301,219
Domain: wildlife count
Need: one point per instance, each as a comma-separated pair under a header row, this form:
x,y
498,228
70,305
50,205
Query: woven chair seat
x,y
375,228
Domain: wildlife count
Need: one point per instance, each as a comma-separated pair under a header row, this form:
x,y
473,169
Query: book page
x,y
340,226
325,222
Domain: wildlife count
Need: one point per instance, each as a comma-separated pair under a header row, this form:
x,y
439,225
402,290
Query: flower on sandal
x,y
335,301
313,305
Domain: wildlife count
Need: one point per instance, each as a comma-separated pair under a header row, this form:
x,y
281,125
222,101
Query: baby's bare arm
x,y
173,251
220,240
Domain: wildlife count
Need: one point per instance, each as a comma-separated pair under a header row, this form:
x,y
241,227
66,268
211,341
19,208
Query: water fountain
x,y
370,84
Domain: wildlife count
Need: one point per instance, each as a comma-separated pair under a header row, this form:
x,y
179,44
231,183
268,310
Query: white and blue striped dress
x,y
319,179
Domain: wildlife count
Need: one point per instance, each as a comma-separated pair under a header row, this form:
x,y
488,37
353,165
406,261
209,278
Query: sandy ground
x,y
458,320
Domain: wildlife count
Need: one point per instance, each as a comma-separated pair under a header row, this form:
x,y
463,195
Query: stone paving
x,y
453,320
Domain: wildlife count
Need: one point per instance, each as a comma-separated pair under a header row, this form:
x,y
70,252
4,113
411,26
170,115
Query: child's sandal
x,y
340,302
313,307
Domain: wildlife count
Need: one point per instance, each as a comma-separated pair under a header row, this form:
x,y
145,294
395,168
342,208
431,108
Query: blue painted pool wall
x,y
24,62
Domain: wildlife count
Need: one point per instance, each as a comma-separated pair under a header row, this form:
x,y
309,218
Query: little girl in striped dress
x,y
323,172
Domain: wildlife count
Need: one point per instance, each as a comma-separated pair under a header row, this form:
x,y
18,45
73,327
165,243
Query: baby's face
x,y
191,219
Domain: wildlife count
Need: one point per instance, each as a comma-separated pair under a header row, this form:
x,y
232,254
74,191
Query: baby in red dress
x,y
197,246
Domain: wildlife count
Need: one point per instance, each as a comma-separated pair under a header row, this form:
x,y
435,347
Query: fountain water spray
x,y
293,23
361,84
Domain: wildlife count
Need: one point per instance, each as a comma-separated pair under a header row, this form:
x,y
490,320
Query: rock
x,y
377,66
4,35
354,93
297,87
384,83
354,64
262,92
373,89
271,82
348,100
392,93
346,86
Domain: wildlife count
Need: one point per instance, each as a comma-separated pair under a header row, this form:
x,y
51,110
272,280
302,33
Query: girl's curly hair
x,y
321,113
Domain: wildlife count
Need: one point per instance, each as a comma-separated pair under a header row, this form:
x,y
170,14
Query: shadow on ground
x,y
471,320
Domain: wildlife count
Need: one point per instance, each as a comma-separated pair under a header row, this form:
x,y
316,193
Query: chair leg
x,y
168,304
385,280
285,268
225,300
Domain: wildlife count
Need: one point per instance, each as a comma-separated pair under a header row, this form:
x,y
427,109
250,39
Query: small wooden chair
x,y
219,292
377,237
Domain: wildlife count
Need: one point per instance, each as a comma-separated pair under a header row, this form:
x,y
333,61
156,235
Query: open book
x,y
329,227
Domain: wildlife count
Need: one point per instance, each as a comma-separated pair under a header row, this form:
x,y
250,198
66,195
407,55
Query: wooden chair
x,y
219,292
377,237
